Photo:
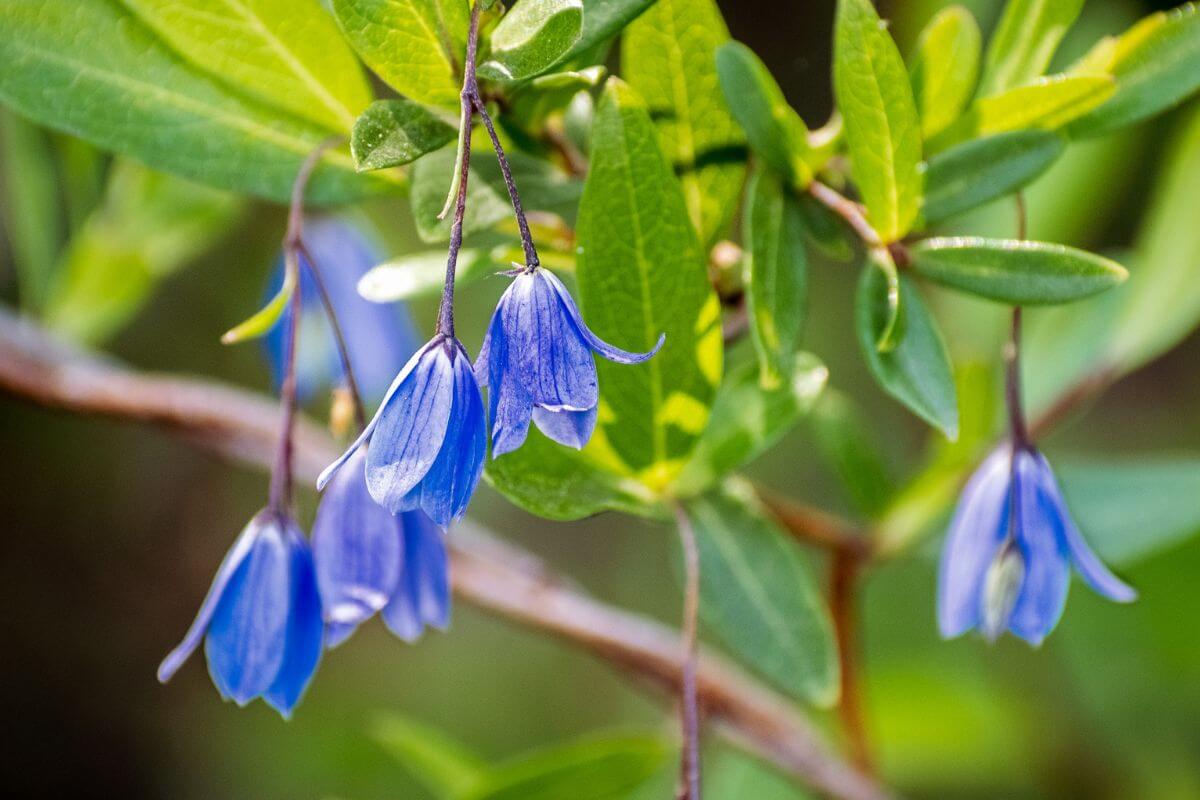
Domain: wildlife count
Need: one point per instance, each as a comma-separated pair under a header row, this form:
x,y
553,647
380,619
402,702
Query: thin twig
x,y
816,527
843,596
689,764
850,211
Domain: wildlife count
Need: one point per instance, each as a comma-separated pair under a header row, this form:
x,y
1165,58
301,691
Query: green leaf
x,y
982,170
669,56
776,132
843,441
394,132
883,133
596,768
419,275
1130,509
1015,272
148,226
825,230
120,88
917,371
945,67
260,322
1157,65
641,274
286,53
602,20
776,276
416,46
31,212
737,775
1025,41
531,38
746,420
759,597
441,764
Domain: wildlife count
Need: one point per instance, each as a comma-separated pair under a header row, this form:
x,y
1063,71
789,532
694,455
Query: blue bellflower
x,y
537,363
261,620
1007,559
427,438
368,560
379,338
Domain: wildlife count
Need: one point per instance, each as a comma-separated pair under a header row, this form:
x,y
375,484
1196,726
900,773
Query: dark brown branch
x,y
844,568
816,527
493,575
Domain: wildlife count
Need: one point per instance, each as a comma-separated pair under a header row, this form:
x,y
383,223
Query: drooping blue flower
x,y
537,364
379,338
1008,555
428,436
261,620
368,560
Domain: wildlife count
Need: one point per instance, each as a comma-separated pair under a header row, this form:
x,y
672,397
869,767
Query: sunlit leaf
x,y
1025,41
442,765
531,38
945,67
394,132
30,211
261,321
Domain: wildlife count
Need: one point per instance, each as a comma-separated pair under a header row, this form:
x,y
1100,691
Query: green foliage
x,y
531,38
602,20
394,132
844,443
30,209
760,598
1015,272
669,56
945,67
419,275
90,68
1025,41
262,321
883,133
444,766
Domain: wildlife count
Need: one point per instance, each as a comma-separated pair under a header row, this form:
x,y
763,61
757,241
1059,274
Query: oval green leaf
x,y
1025,41
394,132
945,67
265,318
531,38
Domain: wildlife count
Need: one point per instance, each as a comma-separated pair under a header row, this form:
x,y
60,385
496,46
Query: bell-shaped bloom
x,y
368,560
261,621
537,364
427,438
379,338
1008,555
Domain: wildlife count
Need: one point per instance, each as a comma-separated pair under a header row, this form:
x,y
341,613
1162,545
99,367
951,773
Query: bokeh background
x,y
112,532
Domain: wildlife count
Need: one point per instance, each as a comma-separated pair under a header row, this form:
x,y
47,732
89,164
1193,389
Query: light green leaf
x,y
531,38
596,768
30,211
416,46
286,53
844,443
917,371
122,89
263,320
1131,509
442,765
418,275
669,56
945,67
776,275
776,132
641,274
1016,272
1047,103
737,776
981,170
1156,64
759,597
148,226
1025,41
534,101
746,420
602,20
883,132
394,132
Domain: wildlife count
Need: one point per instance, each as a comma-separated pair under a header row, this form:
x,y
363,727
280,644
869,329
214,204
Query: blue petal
x,y
305,629
226,573
545,347
411,427
447,487
423,593
978,528
595,342
509,405
356,548
248,633
572,428
1043,594
336,633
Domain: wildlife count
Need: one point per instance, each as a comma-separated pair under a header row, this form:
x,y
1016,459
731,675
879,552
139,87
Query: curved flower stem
x,y
531,256
689,769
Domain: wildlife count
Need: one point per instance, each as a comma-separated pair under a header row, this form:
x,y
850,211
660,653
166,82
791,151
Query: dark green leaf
x,y
825,229
1025,41
121,88
286,53
776,132
416,275
602,20
945,67
917,371
641,274
883,132
417,46
1013,271
746,420
843,441
758,595
442,765
669,55
531,38
394,132
776,276
983,170
31,213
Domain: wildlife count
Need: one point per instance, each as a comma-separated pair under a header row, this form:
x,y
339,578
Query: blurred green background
x,y
112,533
